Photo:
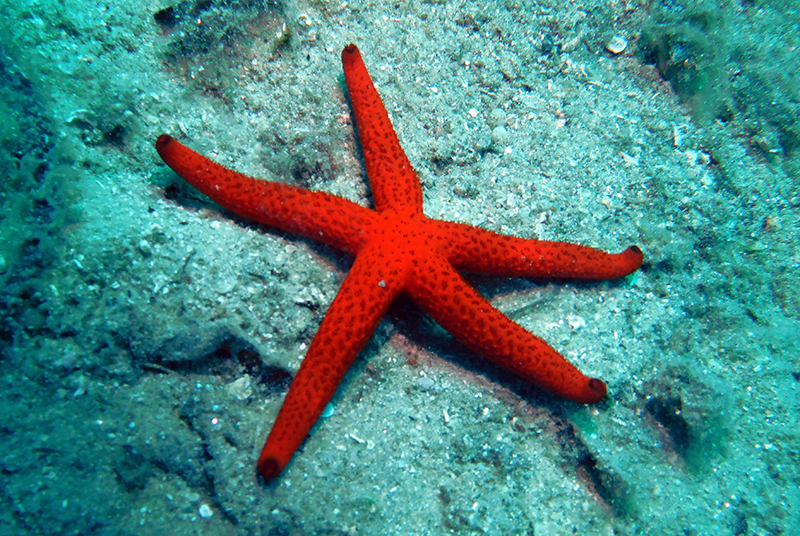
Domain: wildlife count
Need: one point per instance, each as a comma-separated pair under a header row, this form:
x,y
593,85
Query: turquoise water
x,y
148,336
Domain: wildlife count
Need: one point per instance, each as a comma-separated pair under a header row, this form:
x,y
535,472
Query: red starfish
x,y
397,249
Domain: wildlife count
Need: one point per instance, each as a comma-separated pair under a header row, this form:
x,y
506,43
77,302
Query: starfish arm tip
x,y
623,264
350,53
636,255
269,469
163,140
597,388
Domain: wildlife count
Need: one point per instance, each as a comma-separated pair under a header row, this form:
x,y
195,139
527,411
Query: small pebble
x,y
205,511
616,44
145,248
241,388
328,411
497,117
499,135
425,382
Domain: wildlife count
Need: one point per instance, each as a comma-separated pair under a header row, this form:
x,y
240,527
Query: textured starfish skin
x,y
397,249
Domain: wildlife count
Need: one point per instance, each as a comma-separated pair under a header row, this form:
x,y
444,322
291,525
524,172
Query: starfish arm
x,y
393,181
315,215
477,250
441,292
370,286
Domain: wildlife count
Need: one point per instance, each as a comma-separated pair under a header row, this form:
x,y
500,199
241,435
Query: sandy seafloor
x,y
148,336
